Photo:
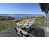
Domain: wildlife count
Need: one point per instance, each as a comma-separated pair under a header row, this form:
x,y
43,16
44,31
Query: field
x,y
40,21
7,24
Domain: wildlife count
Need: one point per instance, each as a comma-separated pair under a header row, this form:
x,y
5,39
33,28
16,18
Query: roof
x,y
44,6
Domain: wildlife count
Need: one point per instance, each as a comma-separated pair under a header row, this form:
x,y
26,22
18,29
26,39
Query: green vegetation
x,y
40,21
7,24
6,18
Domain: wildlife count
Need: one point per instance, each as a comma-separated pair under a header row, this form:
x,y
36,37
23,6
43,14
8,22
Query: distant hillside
x,y
6,18
22,15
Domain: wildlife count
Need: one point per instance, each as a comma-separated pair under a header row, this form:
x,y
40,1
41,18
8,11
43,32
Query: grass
x,y
40,21
7,24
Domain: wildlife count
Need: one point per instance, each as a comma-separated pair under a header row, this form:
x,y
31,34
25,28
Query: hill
x,y
6,18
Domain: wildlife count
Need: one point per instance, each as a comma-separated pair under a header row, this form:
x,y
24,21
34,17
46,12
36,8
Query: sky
x,y
20,8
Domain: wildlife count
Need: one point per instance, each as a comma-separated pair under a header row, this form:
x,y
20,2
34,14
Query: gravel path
x,y
9,33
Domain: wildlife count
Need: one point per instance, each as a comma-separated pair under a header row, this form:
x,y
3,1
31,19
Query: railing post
x,y
46,18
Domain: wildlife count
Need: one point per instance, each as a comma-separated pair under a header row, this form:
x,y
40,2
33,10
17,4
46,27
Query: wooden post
x,y
46,12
